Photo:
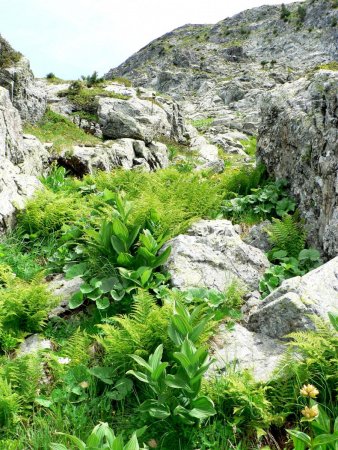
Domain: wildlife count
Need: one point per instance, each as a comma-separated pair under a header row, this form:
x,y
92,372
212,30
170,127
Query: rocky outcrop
x,y
21,159
290,307
125,153
213,255
26,94
138,118
222,70
259,342
298,141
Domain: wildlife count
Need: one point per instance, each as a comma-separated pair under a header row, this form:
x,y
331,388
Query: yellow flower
x,y
310,413
309,390
84,384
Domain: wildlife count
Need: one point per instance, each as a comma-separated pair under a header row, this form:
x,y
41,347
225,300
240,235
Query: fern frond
x,y
287,234
76,348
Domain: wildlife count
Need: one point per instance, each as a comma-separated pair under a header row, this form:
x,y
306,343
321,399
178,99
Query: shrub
x,y
50,76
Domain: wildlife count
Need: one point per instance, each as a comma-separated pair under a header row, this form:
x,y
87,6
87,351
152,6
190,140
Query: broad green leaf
x,y
299,435
95,294
125,260
155,409
76,300
55,446
43,402
118,245
117,295
132,444
102,303
76,270
80,445
107,284
158,371
105,374
162,258
324,439
86,288
139,375
140,361
121,231
145,276
155,358
202,408
118,443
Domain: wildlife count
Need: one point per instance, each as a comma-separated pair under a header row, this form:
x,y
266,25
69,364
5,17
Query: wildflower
x,y
309,390
152,443
64,360
84,384
310,413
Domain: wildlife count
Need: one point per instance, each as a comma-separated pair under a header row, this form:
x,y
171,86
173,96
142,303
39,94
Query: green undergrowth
x,y
132,352
60,131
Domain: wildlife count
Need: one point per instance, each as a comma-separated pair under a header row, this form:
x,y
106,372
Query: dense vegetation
x,y
132,352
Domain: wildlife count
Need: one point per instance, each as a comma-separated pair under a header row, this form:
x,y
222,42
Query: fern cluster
x,y
23,307
140,332
241,400
311,357
287,234
47,212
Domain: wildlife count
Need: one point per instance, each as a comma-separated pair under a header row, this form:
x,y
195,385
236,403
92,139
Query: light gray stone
x,y
258,237
125,153
290,307
33,344
213,255
21,159
241,349
29,97
64,290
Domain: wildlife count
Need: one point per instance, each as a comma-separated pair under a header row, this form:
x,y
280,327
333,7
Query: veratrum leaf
x,y
132,444
203,407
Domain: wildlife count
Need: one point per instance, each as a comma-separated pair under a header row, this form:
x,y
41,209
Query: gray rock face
x,y
138,119
243,349
223,70
287,309
126,153
27,95
298,141
213,255
21,159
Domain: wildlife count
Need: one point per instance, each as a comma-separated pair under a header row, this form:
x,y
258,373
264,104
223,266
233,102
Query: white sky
x,y
75,37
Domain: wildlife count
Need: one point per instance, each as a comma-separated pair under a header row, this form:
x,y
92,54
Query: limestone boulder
x,y
126,153
242,349
290,307
140,118
213,255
